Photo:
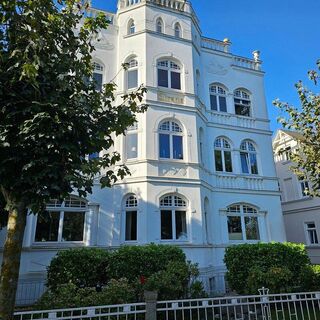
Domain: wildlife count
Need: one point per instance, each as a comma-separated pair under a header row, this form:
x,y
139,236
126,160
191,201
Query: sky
x,y
287,32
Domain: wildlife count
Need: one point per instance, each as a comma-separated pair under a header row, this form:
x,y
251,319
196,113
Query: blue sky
x,y
287,32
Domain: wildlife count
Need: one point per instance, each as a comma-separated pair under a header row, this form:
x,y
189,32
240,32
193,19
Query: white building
x,y
301,212
201,159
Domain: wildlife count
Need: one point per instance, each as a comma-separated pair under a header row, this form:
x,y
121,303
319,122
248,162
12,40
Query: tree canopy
x,y
51,116
306,120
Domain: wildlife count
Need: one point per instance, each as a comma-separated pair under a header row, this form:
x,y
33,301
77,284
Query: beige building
x,y
301,212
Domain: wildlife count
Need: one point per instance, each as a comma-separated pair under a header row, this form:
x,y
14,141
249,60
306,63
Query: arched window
x,y
170,140
159,25
132,142
169,74
242,103
98,75
63,221
132,74
248,156
243,223
177,30
218,98
131,218
173,210
222,155
131,27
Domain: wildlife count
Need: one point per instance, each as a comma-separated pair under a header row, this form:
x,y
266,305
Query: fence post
x,y
151,304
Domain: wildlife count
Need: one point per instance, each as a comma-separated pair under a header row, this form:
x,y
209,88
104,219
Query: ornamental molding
x,y
216,68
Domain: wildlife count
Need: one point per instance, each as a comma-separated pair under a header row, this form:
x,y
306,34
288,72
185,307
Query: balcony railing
x,y
247,63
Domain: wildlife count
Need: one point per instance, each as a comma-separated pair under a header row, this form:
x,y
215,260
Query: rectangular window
x,y
163,78
213,102
166,225
228,161
131,226
97,77
164,146
177,147
73,226
234,228
253,163
181,225
47,226
132,79
218,160
252,228
223,104
132,146
242,110
312,237
175,80
244,162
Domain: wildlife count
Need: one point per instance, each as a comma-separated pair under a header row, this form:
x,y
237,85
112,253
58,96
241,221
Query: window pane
x,y
234,228
47,226
213,102
175,80
181,226
253,163
252,228
163,78
244,162
94,155
73,226
131,225
164,146
132,79
97,77
177,147
228,161
132,146
166,225
218,160
223,104
242,110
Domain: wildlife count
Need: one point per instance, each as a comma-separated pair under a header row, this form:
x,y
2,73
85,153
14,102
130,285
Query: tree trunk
x,y
11,257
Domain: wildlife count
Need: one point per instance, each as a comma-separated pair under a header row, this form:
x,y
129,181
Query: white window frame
x,y
225,147
159,26
61,207
133,65
169,66
129,206
245,101
173,207
218,91
304,185
308,230
132,130
250,149
171,133
177,30
131,27
243,214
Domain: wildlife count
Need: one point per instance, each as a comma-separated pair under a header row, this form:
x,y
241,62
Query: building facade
x,y
301,212
201,161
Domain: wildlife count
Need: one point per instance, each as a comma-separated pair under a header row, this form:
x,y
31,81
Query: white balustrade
x,y
216,45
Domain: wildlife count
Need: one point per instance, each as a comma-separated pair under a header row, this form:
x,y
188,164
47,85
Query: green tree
x,y
306,120
51,116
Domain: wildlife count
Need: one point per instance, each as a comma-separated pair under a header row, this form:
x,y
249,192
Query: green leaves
x,y
51,116
305,120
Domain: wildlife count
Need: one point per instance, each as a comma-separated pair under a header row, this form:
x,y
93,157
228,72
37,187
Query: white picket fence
x,y
265,306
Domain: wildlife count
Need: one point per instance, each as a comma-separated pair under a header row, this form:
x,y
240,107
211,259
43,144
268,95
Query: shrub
x,y
278,266
86,267
132,262
70,296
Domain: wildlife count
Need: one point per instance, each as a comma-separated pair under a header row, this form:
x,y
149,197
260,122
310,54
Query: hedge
x,y
281,267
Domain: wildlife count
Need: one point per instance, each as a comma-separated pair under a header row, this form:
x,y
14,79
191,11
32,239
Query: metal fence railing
x,y
265,306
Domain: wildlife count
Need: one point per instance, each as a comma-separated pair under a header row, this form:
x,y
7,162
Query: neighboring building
x,y
301,212
201,159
